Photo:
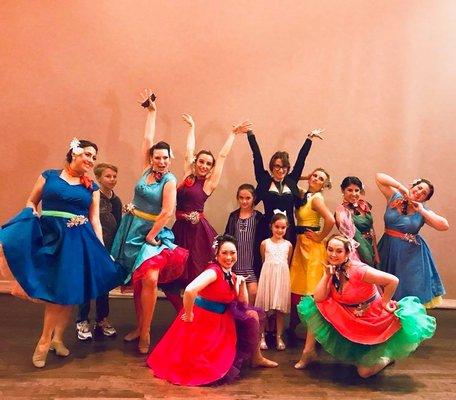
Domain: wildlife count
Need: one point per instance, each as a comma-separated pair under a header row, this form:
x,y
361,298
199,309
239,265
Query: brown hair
x,y
246,186
99,168
341,238
280,155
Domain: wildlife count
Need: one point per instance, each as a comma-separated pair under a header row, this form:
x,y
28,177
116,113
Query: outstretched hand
x,y
316,133
188,119
148,95
243,127
239,281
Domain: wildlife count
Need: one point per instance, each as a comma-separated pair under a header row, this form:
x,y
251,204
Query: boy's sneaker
x,y
105,328
83,330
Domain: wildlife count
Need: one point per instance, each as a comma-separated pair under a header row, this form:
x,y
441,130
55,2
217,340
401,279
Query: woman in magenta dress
x,y
191,230
354,322
215,332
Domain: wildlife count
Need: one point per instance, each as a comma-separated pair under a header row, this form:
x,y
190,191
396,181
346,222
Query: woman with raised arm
x,y
403,252
58,257
202,174
278,187
356,323
354,220
143,244
216,332
306,267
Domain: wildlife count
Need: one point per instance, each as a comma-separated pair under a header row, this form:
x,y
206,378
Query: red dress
x,y
356,312
203,351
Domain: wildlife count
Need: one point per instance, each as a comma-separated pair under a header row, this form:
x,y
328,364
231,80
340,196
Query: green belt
x,y
61,214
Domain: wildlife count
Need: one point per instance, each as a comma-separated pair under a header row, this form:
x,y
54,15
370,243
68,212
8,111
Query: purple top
x,y
191,198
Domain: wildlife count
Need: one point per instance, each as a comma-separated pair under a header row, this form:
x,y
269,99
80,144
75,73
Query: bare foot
x,y
307,358
131,336
366,372
263,362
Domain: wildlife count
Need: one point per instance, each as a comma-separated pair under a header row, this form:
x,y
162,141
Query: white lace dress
x,y
274,284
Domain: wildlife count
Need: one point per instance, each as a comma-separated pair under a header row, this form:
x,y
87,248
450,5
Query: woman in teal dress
x,y
59,257
354,220
143,244
403,252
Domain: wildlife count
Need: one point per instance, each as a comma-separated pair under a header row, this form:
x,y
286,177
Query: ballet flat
x,y
39,357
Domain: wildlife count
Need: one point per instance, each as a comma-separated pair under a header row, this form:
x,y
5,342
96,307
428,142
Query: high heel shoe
x,y
143,345
59,348
39,356
131,336
280,345
307,358
263,345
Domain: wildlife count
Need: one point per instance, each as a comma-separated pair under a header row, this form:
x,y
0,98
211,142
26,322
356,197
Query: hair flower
x,y
75,146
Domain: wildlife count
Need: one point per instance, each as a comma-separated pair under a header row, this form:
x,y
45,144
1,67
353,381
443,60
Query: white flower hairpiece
x,y
171,154
75,146
277,211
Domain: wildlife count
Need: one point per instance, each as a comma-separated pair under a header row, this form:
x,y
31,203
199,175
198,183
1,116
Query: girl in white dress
x,y
273,294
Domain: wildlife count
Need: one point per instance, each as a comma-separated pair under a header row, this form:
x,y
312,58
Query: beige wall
x,y
378,76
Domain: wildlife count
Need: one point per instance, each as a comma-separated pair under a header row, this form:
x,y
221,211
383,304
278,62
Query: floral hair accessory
x,y
277,211
75,146
215,243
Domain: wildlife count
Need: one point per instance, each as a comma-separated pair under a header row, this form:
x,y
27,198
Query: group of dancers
x,y
364,303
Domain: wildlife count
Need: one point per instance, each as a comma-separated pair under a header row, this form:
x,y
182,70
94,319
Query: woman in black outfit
x,y
278,188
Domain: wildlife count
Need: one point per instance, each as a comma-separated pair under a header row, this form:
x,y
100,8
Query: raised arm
x,y
322,289
192,290
212,182
191,144
94,215
388,185
149,130
260,172
387,281
318,205
303,153
168,205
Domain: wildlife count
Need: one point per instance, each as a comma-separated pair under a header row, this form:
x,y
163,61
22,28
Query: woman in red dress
x,y
215,332
353,321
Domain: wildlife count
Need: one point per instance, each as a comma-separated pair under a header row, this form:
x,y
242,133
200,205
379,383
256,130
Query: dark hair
x,y
208,153
83,144
431,186
278,216
246,186
280,155
99,168
220,239
160,146
352,180
341,238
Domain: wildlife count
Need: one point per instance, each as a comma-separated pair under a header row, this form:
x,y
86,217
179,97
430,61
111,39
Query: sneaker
x,y
105,328
83,330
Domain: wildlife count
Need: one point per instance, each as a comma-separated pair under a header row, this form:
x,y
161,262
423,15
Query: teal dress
x,y
54,258
130,248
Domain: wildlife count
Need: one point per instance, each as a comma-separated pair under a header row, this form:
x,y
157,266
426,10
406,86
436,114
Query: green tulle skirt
x,y
416,326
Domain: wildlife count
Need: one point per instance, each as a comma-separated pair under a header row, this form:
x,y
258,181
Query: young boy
x,y
110,215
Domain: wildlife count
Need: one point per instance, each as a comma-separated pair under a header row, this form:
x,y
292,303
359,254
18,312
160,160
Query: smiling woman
x,y
66,262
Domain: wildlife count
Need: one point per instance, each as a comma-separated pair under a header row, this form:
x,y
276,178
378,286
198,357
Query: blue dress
x,y
53,261
130,247
412,263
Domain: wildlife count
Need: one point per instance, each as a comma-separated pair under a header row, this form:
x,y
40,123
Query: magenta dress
x,y
195,236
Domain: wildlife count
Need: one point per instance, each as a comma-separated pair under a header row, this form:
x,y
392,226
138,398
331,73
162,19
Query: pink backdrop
x,y
378,76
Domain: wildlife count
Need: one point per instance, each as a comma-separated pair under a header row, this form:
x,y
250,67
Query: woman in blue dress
x,y
59,257
143,244
403,252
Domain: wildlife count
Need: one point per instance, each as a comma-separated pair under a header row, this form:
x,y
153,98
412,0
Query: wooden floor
x,y
111,369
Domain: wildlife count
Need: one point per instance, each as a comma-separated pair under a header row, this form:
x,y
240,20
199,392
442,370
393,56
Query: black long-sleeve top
x,y
273,200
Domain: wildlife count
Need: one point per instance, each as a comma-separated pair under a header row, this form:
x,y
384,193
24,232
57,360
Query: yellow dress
x,y
307,266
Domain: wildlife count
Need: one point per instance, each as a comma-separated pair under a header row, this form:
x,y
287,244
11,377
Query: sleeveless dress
x,y
352,325
55,258
360,228
274,285
214,345
412,263
307,266
197,237
130,248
